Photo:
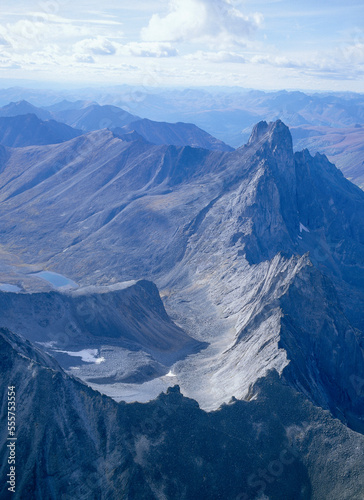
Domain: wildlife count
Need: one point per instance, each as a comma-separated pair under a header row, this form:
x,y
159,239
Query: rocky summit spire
x,y
276,133
273,145
258,131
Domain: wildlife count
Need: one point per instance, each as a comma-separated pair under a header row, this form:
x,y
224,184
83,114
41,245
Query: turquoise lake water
x,y
57,280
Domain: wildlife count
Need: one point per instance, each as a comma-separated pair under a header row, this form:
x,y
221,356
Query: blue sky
x,y
265,44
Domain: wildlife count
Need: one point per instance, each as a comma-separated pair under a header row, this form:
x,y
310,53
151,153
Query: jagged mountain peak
x,y
258,131
275,132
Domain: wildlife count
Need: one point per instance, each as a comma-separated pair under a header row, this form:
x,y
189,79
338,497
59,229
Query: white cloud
x,y
28,34
4,42
212,21
83,58
217,57
278,61
354,53
6,63
336,65
100,46
149,49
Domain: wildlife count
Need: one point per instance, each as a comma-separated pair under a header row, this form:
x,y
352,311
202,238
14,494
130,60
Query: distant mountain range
x,y
23,128
227,114
24,108
29,130
95,117
176,134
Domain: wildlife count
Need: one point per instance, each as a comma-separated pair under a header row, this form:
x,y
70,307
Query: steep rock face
x,y
342,146
46,467
169,448
275,211
325,351
97,314
332,208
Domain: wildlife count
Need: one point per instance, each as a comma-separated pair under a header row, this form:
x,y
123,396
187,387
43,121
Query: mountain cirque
x,y
258,252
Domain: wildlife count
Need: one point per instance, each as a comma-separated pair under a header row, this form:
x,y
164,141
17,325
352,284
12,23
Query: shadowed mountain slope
x,y
29,130
92,447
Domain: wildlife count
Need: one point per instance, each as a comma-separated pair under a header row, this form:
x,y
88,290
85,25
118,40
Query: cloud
x,y
217,57
212,21
149,49
4,42
99,46
28,34
8,64
278,61
332,66
83,58
354,52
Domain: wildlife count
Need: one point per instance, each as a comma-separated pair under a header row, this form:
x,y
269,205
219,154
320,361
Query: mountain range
x,y
258,256
22,124
324,122
29,130
344,147
175,134
108,203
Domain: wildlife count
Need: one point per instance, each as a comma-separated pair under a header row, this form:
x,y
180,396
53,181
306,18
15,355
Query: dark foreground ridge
x,y
96,448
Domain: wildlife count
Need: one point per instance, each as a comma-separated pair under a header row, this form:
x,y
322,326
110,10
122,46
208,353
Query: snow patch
x,y
87,355
303,228
47,345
